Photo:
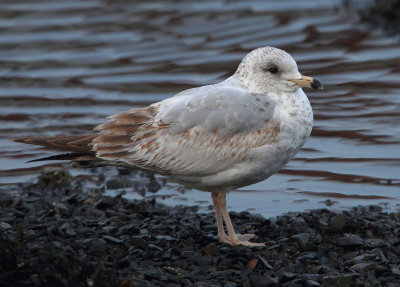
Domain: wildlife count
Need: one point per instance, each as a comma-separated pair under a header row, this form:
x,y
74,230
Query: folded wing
x,y
198,132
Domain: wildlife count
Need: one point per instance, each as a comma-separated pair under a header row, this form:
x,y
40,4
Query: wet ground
x,y
55,232
66,65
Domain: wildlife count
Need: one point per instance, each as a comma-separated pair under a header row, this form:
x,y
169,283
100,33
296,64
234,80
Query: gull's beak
x,y
308,82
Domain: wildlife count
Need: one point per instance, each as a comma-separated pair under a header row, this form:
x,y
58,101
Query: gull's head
x,y
270,69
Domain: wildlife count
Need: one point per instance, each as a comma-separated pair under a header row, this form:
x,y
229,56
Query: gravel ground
x,y
55,234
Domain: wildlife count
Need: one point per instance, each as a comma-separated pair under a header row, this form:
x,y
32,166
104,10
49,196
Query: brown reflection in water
x,y
345,196
356,135
339,177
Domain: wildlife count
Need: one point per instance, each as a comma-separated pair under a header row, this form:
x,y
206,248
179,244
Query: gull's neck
x,y
253,87
292,101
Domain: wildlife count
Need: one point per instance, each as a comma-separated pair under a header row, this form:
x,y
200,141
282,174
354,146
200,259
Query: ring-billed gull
x,y
213,138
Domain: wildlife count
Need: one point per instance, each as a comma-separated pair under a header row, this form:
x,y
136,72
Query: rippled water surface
x,y
66,65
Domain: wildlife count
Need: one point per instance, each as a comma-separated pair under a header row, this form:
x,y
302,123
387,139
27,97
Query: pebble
x,y
350,240
374,242
5,225
339,221
105,203
112,239
363,266
312,283
302,239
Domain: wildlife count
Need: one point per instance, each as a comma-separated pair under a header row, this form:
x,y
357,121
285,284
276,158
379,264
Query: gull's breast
x,y
295,115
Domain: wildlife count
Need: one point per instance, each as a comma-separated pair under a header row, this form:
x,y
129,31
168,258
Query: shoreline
x,y
56,234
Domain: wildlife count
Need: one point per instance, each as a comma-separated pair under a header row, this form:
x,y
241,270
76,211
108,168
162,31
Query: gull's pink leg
x,y
218,215
233,238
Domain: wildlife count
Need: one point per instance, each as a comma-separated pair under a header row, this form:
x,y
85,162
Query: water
x,y
66,65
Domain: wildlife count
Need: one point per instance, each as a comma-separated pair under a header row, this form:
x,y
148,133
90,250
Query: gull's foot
x,y
241,239
224,239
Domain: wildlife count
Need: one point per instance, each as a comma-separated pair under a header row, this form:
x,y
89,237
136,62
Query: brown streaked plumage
x,y
214,138
79,144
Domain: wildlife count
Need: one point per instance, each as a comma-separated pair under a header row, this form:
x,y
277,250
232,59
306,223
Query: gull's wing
x,y
198,132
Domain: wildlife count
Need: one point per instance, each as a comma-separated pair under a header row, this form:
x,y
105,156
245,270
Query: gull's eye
x,y
273,70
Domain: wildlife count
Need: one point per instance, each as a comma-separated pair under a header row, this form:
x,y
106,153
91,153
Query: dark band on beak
x,y
316,85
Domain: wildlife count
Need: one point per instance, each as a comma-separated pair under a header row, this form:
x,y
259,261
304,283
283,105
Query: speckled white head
x,y
269,69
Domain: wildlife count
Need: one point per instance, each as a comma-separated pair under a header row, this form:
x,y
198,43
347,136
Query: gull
x,y
213,138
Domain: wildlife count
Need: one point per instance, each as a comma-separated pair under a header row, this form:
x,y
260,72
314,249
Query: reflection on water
x,y
66,65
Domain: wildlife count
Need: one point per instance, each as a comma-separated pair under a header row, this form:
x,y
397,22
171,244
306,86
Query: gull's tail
x,y
78,148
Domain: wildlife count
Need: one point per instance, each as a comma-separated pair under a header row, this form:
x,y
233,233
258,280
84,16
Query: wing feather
x,y
79,144
199,132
